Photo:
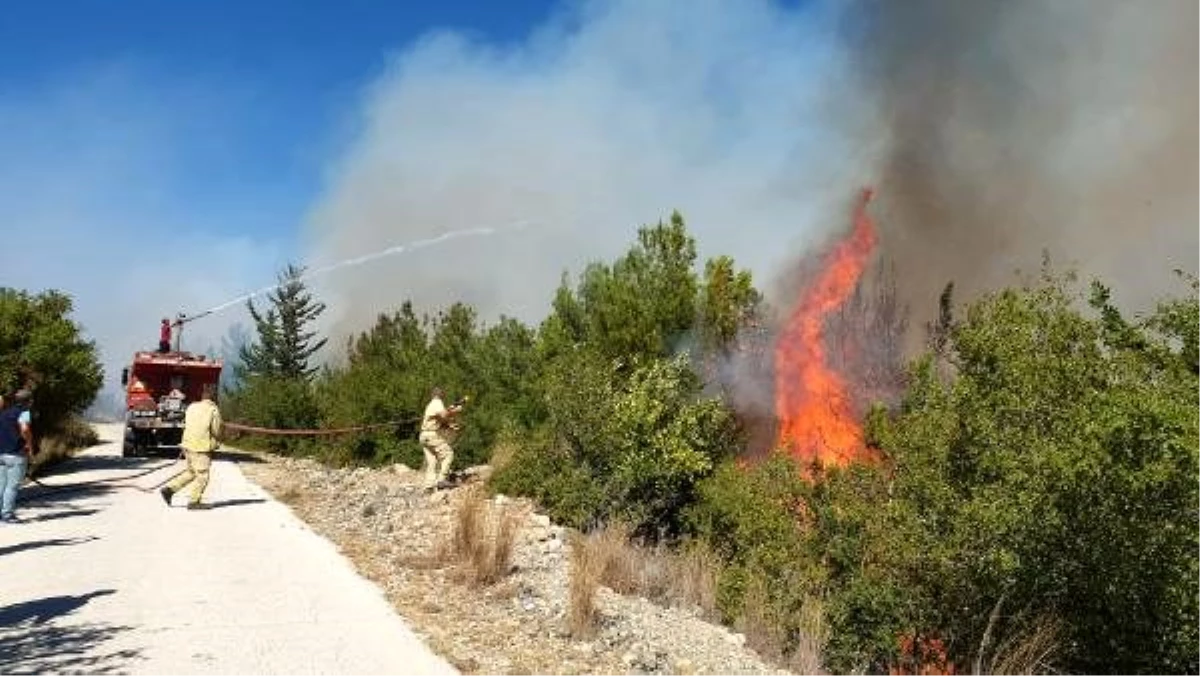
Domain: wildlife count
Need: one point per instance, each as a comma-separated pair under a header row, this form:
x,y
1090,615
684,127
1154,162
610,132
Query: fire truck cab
x,y
158,388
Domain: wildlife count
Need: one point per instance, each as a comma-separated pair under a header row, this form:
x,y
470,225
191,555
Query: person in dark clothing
x,y
16,448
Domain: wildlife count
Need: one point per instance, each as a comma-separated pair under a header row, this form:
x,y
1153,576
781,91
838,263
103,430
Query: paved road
x,y
107,579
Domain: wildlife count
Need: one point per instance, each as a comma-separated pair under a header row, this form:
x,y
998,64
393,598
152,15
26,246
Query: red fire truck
x,y
158,387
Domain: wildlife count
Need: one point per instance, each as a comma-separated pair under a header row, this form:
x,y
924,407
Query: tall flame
x,y
816,421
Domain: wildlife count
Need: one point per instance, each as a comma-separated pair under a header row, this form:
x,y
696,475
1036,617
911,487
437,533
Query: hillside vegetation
x,y
1034,506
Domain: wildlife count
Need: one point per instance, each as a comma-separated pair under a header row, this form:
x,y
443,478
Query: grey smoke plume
x,y
609,116
993,130
1068,126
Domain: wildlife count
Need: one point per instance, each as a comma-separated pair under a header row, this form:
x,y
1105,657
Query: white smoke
x,y
608,117
1044,124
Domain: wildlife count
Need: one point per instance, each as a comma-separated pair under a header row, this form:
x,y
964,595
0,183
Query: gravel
x,y
393,531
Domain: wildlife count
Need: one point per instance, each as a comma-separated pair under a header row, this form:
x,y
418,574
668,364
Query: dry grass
x,y
74,434
586,569
694,576
607,557
503,453
768,636
289,493
1031,651
686,578
482,541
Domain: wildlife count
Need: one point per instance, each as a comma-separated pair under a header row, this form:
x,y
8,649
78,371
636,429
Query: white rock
x,y
736,639
684,666
541,520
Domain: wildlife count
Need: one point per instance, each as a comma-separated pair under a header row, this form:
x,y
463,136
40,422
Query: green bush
x,y
637,434
1052,474
274,402
40,346
1044,475
543,468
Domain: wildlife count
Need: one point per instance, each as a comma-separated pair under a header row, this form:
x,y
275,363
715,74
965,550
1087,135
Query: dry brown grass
x,y
686,578
607,557
694,575
503,453
767,635
289,493
585,570
74,434
481,543
1031,651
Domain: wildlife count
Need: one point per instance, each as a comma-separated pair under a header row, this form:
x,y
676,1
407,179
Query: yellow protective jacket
x,y
202,427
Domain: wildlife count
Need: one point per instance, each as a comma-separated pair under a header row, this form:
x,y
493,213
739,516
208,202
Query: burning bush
x,y
1034,504
816,415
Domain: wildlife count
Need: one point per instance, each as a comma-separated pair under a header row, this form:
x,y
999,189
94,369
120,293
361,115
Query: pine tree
x,y
284,346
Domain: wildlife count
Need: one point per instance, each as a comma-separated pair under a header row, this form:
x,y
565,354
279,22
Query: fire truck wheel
x,y
129,447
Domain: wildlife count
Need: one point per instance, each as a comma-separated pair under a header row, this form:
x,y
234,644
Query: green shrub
x,y
640,432
1050,477
544,469
274,402
41,347
755,519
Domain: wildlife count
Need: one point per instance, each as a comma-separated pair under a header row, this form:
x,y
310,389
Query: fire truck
x,y
158,388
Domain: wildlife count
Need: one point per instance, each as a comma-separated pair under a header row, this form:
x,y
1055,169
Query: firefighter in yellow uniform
x,y
201,434
437,429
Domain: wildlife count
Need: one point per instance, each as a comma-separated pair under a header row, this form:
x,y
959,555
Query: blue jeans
x,y
12,471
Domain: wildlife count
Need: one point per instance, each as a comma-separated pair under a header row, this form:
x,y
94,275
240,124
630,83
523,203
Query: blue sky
x,y
265,91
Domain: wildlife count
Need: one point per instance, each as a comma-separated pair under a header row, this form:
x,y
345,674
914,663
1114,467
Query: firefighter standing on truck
x,y
437,426
201,434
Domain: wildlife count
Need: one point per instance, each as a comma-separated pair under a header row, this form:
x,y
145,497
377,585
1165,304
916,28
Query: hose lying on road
x,y
76,485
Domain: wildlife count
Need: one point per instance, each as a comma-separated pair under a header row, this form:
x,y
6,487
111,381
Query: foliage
x,y
640,305
629,432
392,368
1052,476
1038,471
275,402
633,446
43,349
726,304
1043,476
284,344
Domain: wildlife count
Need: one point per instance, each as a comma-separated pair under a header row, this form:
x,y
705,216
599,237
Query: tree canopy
x,y
285,343
43,349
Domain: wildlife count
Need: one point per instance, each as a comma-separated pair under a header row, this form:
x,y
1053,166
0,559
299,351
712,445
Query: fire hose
x,y
288,432
236,427
55,488
318,432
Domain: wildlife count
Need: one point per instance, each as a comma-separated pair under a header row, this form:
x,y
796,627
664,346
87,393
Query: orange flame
x,y
816,423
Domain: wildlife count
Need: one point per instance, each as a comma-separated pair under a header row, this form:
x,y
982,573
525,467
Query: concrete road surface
x,y
108,579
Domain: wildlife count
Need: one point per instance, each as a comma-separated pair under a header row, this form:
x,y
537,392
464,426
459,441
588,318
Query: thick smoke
x,y
993,131
1014,128
609,117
